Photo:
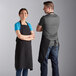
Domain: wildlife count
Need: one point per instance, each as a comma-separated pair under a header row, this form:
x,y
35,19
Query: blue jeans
x,y
53,50
24,72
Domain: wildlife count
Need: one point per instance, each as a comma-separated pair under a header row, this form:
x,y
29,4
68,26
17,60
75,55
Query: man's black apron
x,y
44,44
23,51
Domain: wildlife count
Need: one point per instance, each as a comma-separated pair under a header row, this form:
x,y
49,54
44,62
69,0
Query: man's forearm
x,y
39,30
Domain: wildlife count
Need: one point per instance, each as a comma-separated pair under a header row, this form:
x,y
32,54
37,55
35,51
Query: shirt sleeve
x,y
41,22
30,26
16,27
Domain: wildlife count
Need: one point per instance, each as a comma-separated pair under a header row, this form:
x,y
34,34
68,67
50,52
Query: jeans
x,y
24,72
53,50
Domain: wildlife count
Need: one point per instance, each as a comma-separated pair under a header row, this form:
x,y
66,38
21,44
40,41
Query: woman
x,y
23,50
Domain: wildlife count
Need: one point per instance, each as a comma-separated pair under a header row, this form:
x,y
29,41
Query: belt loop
x,y
55,44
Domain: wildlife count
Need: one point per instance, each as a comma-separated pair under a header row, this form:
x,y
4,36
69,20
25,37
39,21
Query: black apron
x,y
23,51
44,44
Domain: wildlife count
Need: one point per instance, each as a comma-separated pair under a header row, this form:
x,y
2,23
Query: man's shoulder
x,y
46,16
43,16
57,15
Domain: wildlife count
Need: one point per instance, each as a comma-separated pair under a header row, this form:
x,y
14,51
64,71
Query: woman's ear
x,y
27,15
19,15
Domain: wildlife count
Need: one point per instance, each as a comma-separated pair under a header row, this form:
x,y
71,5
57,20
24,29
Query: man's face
x,y
46,9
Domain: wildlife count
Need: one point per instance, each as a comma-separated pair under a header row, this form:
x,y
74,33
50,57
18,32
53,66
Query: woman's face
x,y
23,14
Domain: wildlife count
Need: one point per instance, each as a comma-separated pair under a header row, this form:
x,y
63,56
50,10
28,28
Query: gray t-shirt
x,y
50,25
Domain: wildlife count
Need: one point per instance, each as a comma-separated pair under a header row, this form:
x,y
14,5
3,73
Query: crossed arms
x,y
25,37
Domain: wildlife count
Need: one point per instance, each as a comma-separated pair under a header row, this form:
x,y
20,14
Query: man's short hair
x,y
49,4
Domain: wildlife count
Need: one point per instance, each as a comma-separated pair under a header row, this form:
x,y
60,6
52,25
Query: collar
x,y
51,13
25,21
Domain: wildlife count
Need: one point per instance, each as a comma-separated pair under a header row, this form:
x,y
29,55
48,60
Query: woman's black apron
x,y
23,51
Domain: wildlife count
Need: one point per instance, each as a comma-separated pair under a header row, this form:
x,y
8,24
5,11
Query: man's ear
x,y
49,8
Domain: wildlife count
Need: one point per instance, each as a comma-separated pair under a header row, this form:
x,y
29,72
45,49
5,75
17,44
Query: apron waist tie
x,y
55,44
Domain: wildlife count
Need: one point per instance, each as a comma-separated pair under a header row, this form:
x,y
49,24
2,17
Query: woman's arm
x,y
32,36
24,37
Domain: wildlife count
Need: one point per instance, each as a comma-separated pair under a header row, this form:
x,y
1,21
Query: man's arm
x,y
39,28
40,25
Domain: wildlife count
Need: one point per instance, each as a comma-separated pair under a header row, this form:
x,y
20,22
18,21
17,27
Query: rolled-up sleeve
x,y
30,26
16,27
41,22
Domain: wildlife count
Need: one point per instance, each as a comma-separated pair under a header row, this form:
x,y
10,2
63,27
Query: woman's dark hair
x,y
22,10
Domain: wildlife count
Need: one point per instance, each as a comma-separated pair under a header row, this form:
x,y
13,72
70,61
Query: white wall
x,y
9,15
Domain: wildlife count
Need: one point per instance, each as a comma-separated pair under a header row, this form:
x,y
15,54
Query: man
x,y
49,46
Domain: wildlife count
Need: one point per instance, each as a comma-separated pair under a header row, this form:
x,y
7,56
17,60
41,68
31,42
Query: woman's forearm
x,y
23,37
31,37
26,37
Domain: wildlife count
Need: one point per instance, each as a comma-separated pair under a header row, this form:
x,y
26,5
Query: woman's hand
x,y
32,34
